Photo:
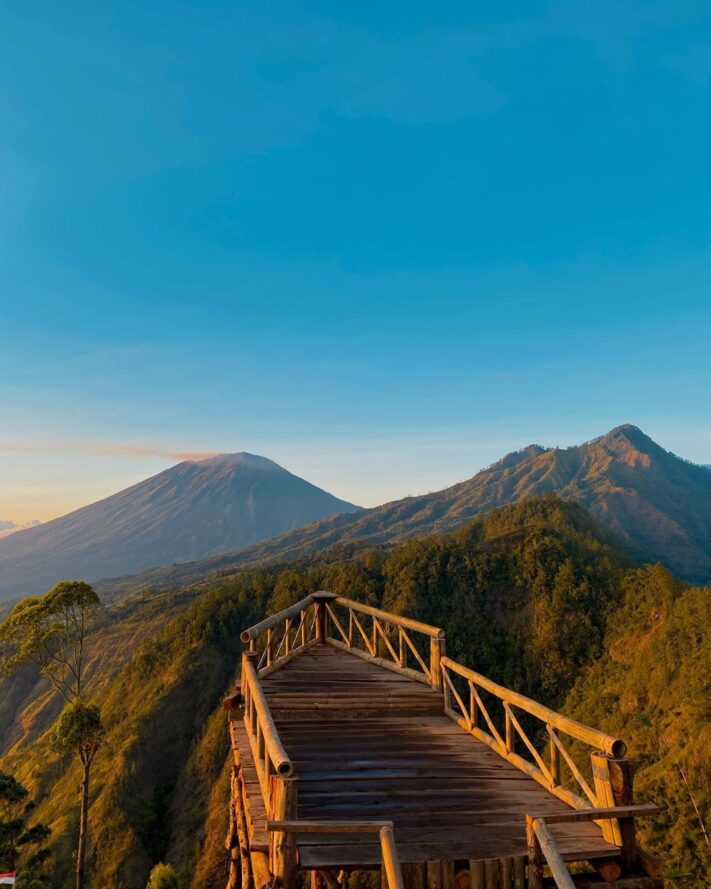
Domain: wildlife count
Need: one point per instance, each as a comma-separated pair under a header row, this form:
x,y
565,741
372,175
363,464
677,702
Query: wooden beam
x,y
397,619
274,619
329,826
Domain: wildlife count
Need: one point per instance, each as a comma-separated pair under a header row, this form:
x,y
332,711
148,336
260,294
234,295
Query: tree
x,y
79,730
49,631
19,843
163,876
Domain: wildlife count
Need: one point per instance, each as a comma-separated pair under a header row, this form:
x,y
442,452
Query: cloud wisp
x,y
102,449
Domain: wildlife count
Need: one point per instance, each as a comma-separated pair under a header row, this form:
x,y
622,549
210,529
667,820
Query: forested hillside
x,y
653,504
533,595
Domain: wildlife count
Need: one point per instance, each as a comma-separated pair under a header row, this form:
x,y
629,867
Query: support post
x,y
282,844
621,773
535,858
605,799
437,652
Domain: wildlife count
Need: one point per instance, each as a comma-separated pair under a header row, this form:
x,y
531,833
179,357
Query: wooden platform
x,y
367,743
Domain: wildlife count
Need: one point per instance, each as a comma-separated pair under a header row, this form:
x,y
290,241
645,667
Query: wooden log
x,y
640,811
506,873
603,793
414,875
476,874
449,877
282,763
491,873
519,872
274,619
282,844
622,773
609,869
391,862
557,866
298,826
241,826
437,650
535,858
592,736
434,875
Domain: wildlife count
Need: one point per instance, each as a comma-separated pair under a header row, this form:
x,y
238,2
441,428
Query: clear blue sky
x,y
381,243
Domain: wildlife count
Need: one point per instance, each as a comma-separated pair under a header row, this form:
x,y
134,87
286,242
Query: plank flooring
x,y
367,743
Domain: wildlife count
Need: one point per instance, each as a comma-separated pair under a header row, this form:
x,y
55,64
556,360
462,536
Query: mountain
x,y
187,512
653,504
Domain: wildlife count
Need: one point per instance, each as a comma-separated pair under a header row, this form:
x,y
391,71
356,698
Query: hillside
x,y
532,595
187,512
654,505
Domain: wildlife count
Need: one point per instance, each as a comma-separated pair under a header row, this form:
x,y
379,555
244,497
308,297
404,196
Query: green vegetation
x,y
49,631
21,845
163,876
533,595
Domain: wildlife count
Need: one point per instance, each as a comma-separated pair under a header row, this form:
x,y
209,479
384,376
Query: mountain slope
x,y
190,511
532,595
654,504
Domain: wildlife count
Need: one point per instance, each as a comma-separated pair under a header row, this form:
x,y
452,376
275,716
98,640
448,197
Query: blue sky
x,y
382,244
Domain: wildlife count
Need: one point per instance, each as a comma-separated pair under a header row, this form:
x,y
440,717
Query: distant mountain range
x,y
187,512
655,505
8,527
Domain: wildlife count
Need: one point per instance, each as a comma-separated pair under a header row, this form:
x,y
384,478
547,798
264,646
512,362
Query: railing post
x,y
535,858
621,774
246,656
282,844
270,653
437,652
605,799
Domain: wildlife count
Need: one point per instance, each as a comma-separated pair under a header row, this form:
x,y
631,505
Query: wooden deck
x,y
359,745
367,743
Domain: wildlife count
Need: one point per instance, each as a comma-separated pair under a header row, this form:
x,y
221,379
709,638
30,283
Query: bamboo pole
x,y
592,736
274,619
557,866
437,650
391,862
535,858
603,793
282,763
476,874
396,619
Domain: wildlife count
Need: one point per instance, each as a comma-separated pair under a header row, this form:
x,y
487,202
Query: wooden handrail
x,y
640,811
274,619
328,826
260,725
397,619
593,737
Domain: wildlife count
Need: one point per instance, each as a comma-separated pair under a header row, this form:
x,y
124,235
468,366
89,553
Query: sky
x,y
380,243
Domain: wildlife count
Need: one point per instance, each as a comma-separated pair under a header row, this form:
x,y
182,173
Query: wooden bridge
x,y
359,746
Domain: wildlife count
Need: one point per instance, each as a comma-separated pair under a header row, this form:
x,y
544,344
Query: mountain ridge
x,y
655,505
188,511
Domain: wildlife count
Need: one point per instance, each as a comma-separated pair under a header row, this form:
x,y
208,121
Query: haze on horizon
x,y
382,246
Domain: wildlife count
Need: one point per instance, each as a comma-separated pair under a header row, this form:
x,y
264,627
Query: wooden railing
x,y
390,863
542,846
279,638
383,638
470,713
